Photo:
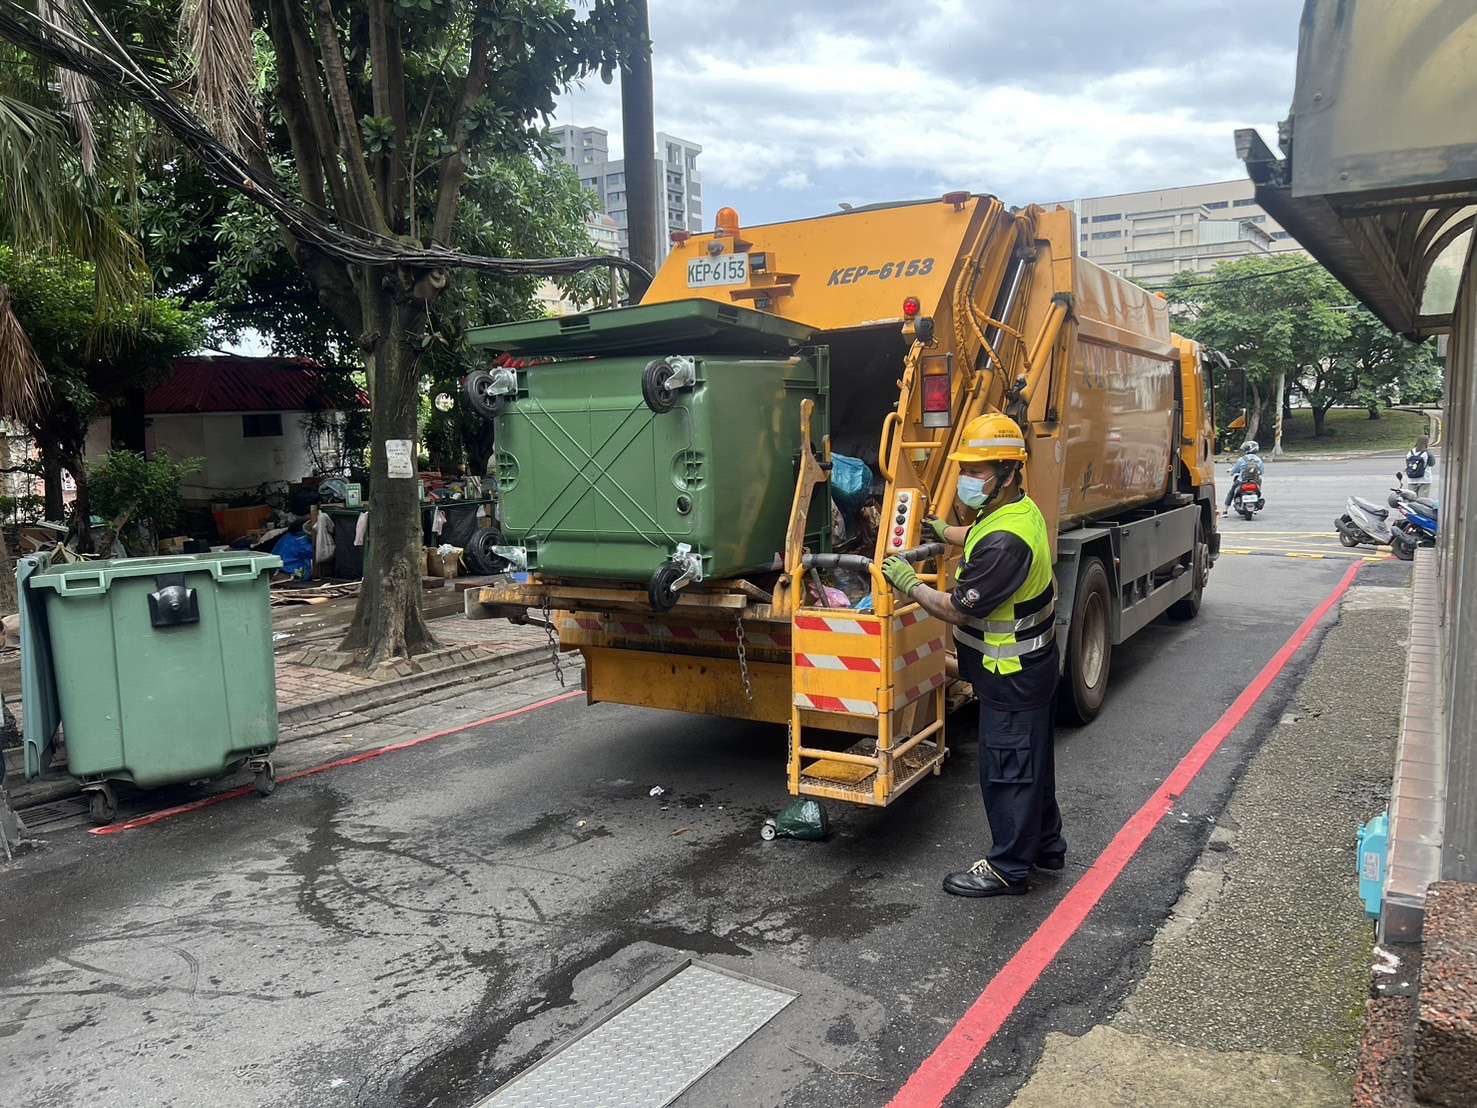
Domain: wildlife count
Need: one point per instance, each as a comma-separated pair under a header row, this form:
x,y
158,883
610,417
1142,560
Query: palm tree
x,y
22,392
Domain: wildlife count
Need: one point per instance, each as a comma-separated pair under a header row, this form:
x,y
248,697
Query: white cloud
x,y
818,110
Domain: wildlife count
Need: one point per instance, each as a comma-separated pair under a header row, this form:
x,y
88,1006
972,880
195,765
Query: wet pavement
x,y
415,929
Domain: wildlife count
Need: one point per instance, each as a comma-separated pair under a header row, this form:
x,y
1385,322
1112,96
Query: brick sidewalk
x,y
306,675
311,689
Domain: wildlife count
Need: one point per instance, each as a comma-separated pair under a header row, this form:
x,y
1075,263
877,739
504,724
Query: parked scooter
x,y
1364,523
1417,525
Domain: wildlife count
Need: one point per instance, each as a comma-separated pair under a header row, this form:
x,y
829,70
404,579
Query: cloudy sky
x,y
802,104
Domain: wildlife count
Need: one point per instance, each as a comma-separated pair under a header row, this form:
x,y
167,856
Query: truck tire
x,y
1188,607
1089,646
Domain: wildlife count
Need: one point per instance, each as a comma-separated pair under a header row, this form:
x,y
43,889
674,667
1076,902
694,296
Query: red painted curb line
x,y
352,760
942,1070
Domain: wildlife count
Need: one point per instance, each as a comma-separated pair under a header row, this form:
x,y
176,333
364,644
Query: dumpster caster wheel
x,y
266,779
656,389
102,806
477,387
767,831
659,590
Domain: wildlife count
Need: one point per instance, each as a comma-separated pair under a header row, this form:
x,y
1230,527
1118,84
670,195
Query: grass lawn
x,y
1348,429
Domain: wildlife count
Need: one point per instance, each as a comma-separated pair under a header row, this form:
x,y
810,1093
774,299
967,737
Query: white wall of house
x,y
232,458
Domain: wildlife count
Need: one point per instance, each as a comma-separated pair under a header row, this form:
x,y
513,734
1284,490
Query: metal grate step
x,y
651,1049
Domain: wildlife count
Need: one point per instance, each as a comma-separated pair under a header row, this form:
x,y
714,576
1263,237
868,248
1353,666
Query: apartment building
x,y
1155,234
679,184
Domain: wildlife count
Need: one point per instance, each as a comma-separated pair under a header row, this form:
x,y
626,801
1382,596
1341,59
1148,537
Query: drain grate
x,y
649,1051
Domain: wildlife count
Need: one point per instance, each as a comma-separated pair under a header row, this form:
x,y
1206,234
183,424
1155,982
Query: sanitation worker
x,y
1003,611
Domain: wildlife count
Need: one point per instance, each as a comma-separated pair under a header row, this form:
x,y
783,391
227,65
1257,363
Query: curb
x,y
306,721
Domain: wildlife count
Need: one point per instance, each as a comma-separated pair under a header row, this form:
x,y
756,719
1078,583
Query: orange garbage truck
x,y
699,490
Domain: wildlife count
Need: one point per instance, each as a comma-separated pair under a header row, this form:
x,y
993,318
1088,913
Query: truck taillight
x,y
936,400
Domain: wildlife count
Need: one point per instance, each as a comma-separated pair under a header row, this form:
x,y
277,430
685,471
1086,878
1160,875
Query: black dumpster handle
x,y
863,563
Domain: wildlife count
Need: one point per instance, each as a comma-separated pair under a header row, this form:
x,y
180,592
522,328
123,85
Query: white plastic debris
x,y
656,790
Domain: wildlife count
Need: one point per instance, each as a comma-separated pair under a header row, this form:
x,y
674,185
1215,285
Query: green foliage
x,y
147,490
1274,316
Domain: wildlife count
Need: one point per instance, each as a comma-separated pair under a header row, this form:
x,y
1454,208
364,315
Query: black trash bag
x,y
802,819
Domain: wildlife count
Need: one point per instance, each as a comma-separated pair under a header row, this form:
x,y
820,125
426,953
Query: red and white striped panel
x,y
838,625
841,705
922,650
907,619
836,661
923,688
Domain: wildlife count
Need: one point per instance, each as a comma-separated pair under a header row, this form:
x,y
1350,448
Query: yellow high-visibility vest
x,y
1026,621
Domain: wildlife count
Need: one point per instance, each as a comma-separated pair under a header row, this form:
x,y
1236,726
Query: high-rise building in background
x,y
679,184
1150,236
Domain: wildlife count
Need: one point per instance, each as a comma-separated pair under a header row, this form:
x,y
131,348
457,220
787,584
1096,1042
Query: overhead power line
x,y
1244,277
85,44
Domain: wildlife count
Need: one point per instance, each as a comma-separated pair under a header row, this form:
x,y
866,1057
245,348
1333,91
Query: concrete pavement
x,y
418,928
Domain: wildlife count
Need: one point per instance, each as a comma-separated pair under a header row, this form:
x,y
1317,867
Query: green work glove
x,y
900,575
938,527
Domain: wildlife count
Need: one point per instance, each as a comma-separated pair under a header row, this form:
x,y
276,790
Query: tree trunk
x,y
1286,394
51,475
1254,413
1281,410
1320,412
82,505
388,623
7,569
1374,411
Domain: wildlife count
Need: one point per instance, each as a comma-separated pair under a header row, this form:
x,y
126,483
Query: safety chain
x,y
743,657
553,641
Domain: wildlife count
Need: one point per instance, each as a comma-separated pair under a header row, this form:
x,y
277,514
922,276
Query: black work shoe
x,y
982,879
1052,861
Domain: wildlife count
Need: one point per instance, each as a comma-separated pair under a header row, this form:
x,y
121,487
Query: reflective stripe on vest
x,y
1025,622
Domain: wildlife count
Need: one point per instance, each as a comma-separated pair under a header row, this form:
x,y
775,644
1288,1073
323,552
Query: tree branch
x,y
332,55
293,44
379,76
400,185
454,169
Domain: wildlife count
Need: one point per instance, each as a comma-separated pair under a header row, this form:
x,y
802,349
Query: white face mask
x,y
972,491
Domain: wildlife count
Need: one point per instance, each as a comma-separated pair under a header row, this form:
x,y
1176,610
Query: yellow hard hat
x,y
991,438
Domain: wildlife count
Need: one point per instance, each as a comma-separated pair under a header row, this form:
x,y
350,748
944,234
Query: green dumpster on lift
x,y
159,670
655,444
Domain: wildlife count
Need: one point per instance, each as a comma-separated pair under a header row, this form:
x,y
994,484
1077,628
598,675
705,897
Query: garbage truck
x,y
698,491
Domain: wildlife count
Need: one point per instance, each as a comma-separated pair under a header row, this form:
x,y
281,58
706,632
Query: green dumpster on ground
x,y
159,670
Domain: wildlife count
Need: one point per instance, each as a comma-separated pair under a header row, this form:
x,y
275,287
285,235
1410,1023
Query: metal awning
x,y
1382,250
1379,181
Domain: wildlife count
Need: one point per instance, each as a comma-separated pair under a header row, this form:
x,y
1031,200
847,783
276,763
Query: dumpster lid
x,y
97,575
40,708
696,326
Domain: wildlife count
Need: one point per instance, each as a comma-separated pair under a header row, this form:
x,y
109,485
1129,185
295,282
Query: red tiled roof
x,y
236,384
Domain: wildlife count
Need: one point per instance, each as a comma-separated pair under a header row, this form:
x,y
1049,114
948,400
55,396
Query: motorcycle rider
x,y
1250,462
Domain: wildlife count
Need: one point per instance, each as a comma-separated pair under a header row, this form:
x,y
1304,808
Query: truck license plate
x,y
724,269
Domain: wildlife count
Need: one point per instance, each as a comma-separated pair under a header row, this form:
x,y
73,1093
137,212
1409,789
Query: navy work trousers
x,y
1018,780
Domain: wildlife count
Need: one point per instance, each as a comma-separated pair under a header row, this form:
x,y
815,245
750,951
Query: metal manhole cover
x,y
650,1050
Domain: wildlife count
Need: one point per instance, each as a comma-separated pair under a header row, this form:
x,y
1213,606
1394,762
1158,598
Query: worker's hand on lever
x,y
937,528
900,575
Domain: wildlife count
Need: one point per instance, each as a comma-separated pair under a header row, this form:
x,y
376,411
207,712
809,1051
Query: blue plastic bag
x,y
851,480
296,551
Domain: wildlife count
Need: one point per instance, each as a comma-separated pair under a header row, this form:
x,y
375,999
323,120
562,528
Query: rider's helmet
x,y
1250,446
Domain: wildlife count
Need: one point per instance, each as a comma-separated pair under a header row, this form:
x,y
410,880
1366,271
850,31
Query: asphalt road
x,y
415,929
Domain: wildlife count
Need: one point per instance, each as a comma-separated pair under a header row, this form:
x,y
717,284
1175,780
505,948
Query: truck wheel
x,y
1089,646
1188,607
659,396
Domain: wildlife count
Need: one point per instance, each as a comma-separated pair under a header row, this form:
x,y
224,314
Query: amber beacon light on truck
x,y
702,487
